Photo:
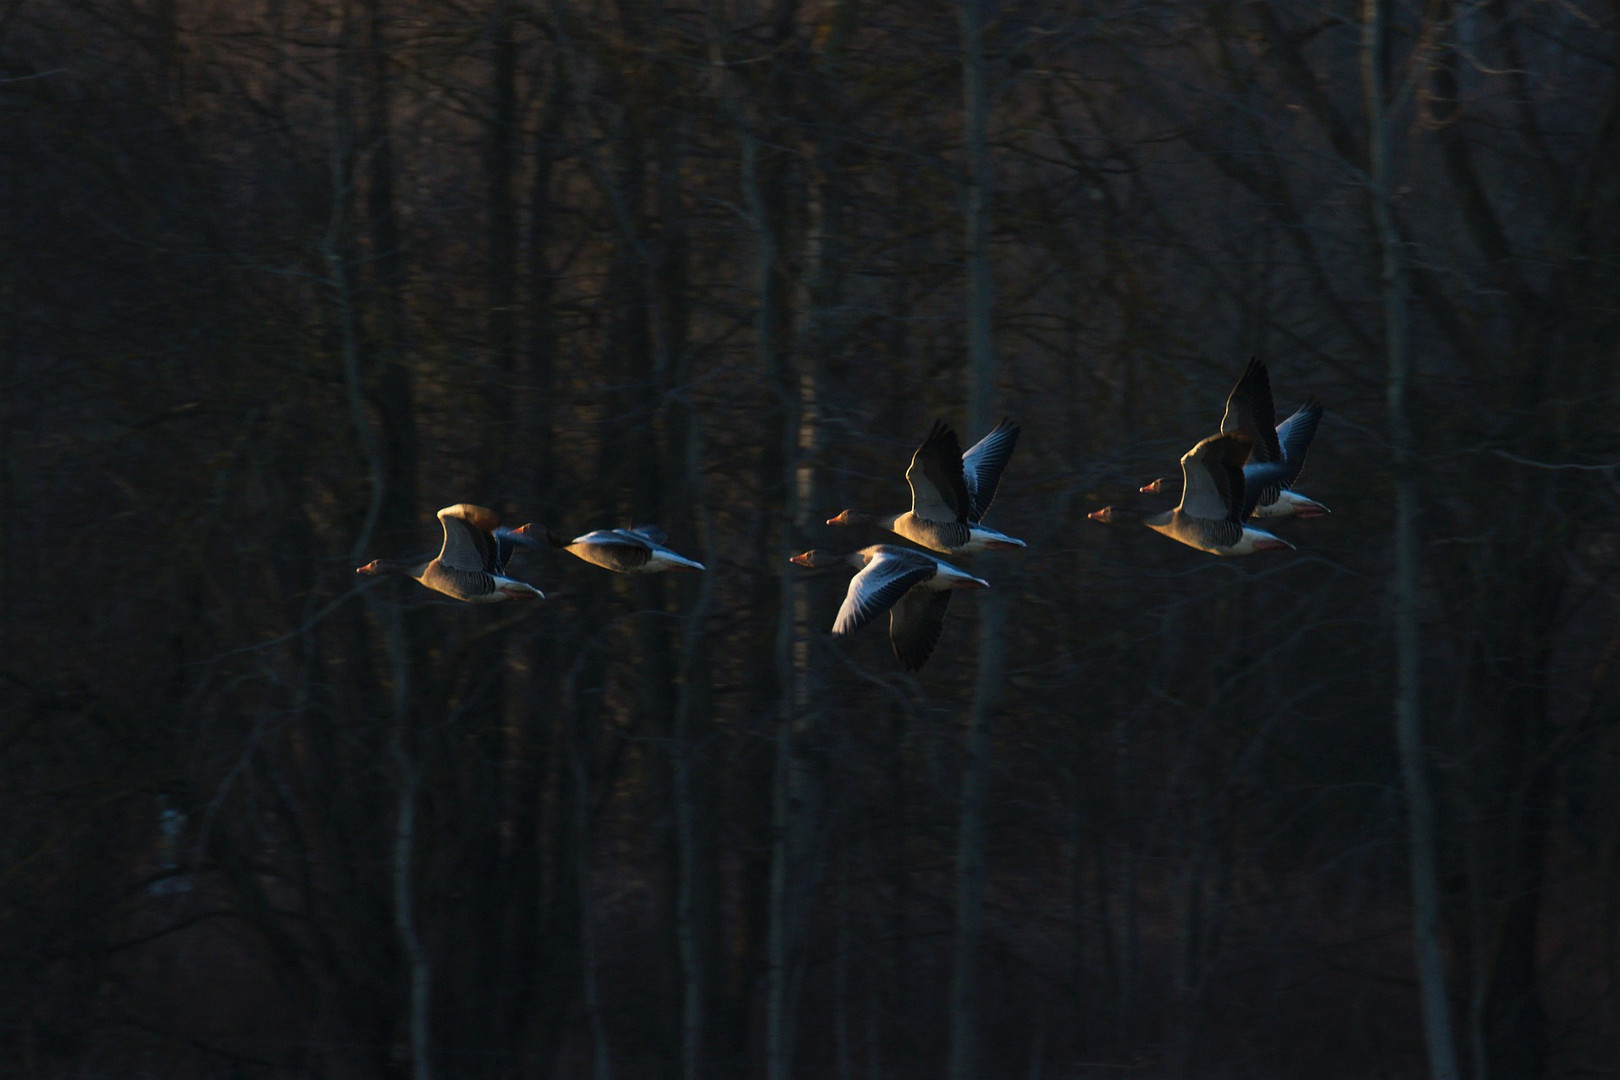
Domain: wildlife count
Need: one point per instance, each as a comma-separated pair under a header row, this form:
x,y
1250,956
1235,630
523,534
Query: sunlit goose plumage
x,y
1215,502
950,492
471,564
638,550
913,587
1251,413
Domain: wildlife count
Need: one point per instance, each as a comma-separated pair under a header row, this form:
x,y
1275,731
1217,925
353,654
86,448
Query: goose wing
x,y
624,537
1250,412
1261,479
915,623
1295,435
615,549
619,538
651,533
1212,478
468,543
650,539
938,490
506,540
983,463
878,587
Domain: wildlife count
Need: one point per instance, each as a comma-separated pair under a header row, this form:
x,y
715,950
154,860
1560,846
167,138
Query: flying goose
x,y
913,587
637,550
1215,501
471,565
1250,413
950,492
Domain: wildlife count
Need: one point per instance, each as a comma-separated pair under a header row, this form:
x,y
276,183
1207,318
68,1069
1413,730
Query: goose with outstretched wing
x,y
634,550
912,586
471,563
950,493
1216,501
1278,452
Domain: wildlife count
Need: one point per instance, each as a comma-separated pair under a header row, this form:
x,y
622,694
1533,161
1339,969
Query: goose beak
x,y
841,519
1100,515
804,559
369,568
1154,488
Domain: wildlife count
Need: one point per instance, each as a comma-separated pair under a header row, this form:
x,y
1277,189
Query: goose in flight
x,y
1216,501
471,564
638,550
1250,413
913,587
950,492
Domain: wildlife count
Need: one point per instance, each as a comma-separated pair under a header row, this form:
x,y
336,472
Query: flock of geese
x,y
1244,472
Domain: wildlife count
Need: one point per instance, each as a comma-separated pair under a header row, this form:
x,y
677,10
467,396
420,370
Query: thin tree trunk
x,y
1420,812
416,961
500,153
579,845
1127,952
971,843
781,929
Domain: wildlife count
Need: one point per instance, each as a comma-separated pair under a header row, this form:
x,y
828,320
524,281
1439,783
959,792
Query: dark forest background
x,y
280,278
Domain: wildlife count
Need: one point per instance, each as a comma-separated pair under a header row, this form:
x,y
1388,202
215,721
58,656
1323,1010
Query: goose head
x,y
1123,515
407,567
821,558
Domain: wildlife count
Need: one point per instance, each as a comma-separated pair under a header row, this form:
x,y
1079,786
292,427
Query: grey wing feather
x,y
1212,478
878,587
1250,412
466,546
982,466
506,541
650,532
611,536
1295,435
1261,480
915,623
938,491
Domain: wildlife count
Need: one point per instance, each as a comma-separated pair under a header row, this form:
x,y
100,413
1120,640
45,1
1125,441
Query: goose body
x,y
1251,413
1215,502
638,550
471,563
950,492
912,586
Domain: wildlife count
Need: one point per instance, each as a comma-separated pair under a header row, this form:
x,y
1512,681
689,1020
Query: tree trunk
x,y
971,843
1420,813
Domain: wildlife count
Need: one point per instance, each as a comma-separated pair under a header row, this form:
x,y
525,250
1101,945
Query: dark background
x,y
278,279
